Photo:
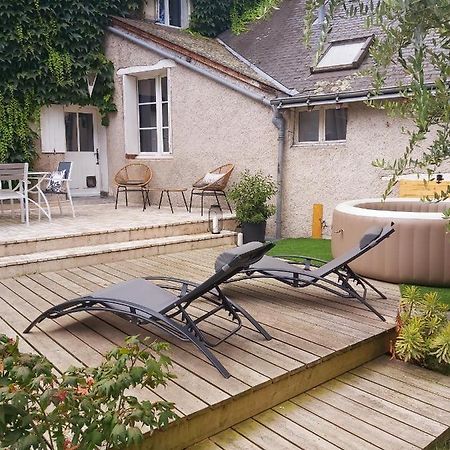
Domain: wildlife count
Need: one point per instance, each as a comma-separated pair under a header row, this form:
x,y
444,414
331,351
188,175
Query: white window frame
x,y
185,13
159,115
322,122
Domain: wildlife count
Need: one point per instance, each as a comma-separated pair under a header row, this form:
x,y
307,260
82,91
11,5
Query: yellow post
x,y
317,221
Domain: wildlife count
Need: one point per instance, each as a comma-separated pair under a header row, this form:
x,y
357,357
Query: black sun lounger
x,y
164,302
334,276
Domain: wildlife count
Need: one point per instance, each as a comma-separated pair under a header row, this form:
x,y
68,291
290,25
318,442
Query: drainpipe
x,y
280,123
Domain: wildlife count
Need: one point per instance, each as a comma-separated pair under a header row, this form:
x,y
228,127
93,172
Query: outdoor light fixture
x,y
215,219
439,178
91,78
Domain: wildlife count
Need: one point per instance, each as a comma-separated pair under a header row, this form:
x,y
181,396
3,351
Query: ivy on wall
x,y
47,47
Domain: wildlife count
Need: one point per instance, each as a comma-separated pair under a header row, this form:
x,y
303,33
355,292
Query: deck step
x,y
58,239
64,258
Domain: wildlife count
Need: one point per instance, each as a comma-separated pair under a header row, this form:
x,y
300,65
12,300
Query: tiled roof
x,y
204,49
276,46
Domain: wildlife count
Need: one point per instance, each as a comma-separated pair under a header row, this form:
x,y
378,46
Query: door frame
x,y
100,143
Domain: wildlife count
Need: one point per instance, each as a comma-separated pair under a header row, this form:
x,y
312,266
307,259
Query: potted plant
x,y
250,195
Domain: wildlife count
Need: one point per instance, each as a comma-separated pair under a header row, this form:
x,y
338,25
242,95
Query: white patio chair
x,y
16,172
59,184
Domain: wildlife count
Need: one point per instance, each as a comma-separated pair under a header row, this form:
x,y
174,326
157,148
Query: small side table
x,y
168,191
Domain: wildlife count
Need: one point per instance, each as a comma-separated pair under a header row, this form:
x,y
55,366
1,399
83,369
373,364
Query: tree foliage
x,y
83,408
211,17
414,35
47,47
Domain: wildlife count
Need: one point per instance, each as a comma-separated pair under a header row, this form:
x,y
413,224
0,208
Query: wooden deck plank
x,y
357,426
292,431
401,422
316,425
399,406
207,444
231,440
415,371
398,386
394,371
262,436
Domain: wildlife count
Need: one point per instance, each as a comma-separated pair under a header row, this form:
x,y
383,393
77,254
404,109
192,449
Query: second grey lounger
x,y
334,276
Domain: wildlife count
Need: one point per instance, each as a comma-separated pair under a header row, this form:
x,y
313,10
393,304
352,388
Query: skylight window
x,y
347,54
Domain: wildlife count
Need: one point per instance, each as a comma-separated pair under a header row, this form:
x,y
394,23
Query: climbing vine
x,y
47,47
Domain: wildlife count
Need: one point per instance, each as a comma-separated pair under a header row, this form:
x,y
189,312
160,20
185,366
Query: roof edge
x,y
341,97
117,22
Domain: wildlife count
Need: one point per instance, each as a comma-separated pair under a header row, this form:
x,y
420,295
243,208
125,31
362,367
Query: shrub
x,y
250,195
83,408
423,330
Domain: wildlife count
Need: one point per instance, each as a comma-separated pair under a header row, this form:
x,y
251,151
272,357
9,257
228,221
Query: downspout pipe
x,y
184,62
280,123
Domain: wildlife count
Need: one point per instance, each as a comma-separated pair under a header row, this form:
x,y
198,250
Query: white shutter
x,y
130,115
53,132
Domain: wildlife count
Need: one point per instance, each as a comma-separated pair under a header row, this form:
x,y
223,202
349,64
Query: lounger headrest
x,y
226,257
370,235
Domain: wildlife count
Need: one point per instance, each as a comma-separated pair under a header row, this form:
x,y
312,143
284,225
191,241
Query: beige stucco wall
x,y
330,174
210,124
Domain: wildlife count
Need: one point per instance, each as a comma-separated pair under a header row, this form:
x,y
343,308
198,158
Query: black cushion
x,y
370,235
226,257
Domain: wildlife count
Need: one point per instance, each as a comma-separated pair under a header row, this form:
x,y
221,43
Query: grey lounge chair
x,y
334,276
164,302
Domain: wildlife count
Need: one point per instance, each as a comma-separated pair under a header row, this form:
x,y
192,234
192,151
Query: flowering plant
x,y
83,408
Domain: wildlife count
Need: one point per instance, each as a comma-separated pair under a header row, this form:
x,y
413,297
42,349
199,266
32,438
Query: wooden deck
x,y
384,404
316,336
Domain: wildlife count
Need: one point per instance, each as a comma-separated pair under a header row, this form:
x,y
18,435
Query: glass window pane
x,y
162,11
147,90
149,140
175,13
165,110
164,88
308,126
335,124
165,140
147,116
86,126
70,120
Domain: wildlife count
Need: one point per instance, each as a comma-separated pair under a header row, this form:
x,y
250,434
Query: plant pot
x,y
254,232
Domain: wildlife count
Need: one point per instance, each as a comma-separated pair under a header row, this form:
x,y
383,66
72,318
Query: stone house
x,y
187,104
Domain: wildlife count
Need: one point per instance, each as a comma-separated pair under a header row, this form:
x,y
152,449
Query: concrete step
x,y
58,259
82,238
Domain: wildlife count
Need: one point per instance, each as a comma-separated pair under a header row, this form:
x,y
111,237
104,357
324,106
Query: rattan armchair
x,y
208,186
133,178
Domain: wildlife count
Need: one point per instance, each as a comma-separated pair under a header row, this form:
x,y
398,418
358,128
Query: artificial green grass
x,y
321,248
317,248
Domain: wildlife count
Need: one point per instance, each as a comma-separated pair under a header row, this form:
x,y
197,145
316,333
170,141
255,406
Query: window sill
x,y
153,156
319,144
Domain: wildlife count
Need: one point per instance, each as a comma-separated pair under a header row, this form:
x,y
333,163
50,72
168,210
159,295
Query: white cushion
x,y
210,178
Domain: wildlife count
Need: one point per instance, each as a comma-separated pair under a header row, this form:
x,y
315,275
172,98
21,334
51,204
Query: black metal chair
x,y
333,276
164,302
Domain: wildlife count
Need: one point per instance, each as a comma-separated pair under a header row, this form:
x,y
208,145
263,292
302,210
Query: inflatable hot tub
x,y
417,253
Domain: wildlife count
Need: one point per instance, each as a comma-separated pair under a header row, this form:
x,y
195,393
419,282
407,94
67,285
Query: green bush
x,y
424,330
83,408
251,194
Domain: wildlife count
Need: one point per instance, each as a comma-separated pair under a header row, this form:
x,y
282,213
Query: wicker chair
x,y
213,184
133,178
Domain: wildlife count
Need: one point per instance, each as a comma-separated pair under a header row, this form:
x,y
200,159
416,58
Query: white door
x,y
83,150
